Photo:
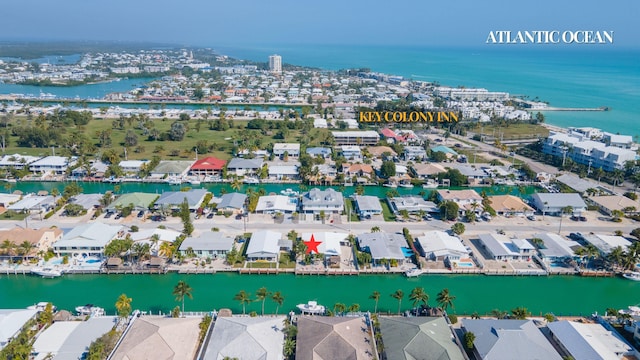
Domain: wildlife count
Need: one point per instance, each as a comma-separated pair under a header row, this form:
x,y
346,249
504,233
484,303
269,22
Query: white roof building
x,y
329,241
589,341
88,238
55,164
438,245
276,204
69,340
264,245
11,321
16,161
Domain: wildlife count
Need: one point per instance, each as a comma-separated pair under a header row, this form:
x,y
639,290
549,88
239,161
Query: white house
x,y
316,200
439,245
501,247
272,204
54,164
90,239
132,166
208,245
367,205
264,245
291,149
550,203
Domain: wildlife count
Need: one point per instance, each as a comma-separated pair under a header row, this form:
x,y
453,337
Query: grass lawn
x,y
513,131
13,215
286,262
261,265
386,212
348,205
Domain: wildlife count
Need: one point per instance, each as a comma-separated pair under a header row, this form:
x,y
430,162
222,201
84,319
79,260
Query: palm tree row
x,y
262,294
625,260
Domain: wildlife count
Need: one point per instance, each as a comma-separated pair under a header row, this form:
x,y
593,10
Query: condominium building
x,y
275,63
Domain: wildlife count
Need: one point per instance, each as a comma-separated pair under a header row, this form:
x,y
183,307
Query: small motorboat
x,y
194,182
41,306
406,185
250,180
89,310
390,185
430,185
634,275
312,308
413,273
46,272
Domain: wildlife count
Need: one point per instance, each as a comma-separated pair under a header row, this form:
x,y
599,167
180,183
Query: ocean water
x,y
576,77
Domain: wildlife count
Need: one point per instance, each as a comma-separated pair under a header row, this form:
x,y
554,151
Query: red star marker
x,y
312,245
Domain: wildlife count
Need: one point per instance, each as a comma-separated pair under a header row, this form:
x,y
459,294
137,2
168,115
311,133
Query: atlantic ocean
x,y
575,76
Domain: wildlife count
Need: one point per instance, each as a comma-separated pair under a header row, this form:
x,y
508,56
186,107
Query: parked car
x,y
141,213
210,215
531,217
108,215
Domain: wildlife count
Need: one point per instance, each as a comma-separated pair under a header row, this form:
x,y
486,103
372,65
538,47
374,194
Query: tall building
x,y
275,63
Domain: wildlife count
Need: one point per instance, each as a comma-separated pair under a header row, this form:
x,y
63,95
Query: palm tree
x,y
445,299
181,290
166,249
7,247
244,298
155,239
289,347
616,256
375,229
24,248
499,314
398,295
418,295
236,184
278,299
375,296
519,313
262,295
123,306
354,308
565,210
339,308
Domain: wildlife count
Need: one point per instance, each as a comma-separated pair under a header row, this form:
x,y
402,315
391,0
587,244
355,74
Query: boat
x,y
10,181
311,307
89,310
194,182
174,181
390,185
430,185
46,272
250,180
406,185
634,275
413,273
289,192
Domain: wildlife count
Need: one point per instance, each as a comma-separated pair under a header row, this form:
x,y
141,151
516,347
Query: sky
x,y
366,22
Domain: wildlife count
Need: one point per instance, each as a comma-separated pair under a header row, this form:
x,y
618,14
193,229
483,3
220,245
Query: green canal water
x,y
216,188
561,295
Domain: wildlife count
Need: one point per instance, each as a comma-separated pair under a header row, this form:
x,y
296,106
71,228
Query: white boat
x,y
194,182
413,273
41,306
250,180
430,185
406,185
46,272
174,181
634,275
10,181
289,192
390,185
89,310
311,307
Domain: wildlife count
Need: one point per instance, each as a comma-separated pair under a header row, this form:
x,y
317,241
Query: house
x,y
132,167
367,206
610,203
508,340
466,199
154,237
89,238
171,168
33,204
154,337
355,137
550,203
242,167
425,171
606,243
40,239
264,245
440,246
329,244
246,338
272,204
209,244
323,337
576,183
87,201
71,339
413,204
284,171
52,164
291,149
380,151
97,169
12,321
16,161
589,341
140,201
555,247
232,202
410,338
322,152
509,205
209,166
327,201
414,153
351,152
449,152
501,247
173,199
382,245
474,174
357,170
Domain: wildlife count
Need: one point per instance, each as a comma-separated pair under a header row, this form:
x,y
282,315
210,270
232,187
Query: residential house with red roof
x,y
209,166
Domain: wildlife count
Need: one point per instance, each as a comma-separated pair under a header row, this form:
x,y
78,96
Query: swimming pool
x,y
55,261
93,261
464,264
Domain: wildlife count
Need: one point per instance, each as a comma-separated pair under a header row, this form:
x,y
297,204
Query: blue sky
x,y
253,22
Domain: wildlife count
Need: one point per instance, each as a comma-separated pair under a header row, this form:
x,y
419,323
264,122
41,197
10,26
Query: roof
x,y
232,200
194,198
240,163
314,151
502,203
349,134
18,235
588,341
31,202
286,147
559,200
329,241
415,337
87,201
555,245
246,338
509,339
379,150
132,163
428,169
355,168
606,243
263,242
327,197
51,161
576,183
321,337
497,244
368,203
208,163
68,340
411,203
444,149
208,240
440,243
456,195
163,234
615,202
94,234
275,203
11,321
139,200
171,167
470,171
383,245
283,169
159,338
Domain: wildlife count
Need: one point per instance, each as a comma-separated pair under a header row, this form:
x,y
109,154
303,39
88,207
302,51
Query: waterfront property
x,y
242,167
265,245
132,167
283,170
440,246
41,240
589,341
246,338
408,338
382,245
209,166
508,339
173,199
412,204
139,200
155,337
329,244
290,149
509,205
323,152
52,164
89,239
33,204
427,170
414,153
466,199
501,247
328,201
351,152
12,321
171,168
610,203
154,237
273,204
555,248
367,206
16,161
355,137
209,244
232,202
548,203
606,243
321,337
